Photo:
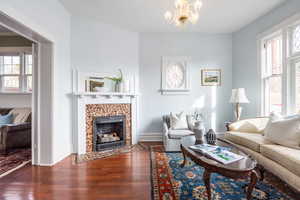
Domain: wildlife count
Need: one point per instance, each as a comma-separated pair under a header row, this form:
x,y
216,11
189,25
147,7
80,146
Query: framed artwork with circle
x,y
211,77
175,75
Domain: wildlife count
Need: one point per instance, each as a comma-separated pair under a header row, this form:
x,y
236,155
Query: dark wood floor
x,y
126,176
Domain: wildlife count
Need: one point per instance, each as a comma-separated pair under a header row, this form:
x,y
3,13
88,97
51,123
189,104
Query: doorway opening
x,y
28,79
16,66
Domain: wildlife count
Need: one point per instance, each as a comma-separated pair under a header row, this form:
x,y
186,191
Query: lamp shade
x,y
239,96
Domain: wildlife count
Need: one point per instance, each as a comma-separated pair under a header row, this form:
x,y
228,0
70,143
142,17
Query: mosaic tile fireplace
x,y
108,126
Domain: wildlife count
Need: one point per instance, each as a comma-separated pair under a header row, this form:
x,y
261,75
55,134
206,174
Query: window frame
x,y
22,75
289,58
265,75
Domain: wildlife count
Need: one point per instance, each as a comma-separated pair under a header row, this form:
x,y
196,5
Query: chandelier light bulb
x,y
179,3
197,5
194,18
168,16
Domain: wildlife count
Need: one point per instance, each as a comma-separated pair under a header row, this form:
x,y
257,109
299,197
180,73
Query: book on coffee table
x,y
220,154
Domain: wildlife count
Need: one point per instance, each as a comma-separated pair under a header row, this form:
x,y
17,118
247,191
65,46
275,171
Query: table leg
x,y
206,178
184,158
261,172
253,181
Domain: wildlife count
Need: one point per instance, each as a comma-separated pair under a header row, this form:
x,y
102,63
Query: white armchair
x,y
172,138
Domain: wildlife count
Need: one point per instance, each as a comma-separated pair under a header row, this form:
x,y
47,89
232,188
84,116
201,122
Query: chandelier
x,y
184,12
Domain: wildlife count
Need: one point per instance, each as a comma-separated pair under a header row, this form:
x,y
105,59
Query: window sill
x,y
15,93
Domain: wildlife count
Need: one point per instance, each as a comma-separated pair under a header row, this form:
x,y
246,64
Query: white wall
x,y
50,19
205,51
102,48
15,100
245,69
99,47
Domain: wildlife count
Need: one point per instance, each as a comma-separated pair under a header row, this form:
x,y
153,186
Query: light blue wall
x,y
205,51
245,69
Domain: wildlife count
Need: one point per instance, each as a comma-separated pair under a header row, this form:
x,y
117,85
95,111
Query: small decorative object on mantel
x,y
211,77
117,81
95,84
175,75
211,137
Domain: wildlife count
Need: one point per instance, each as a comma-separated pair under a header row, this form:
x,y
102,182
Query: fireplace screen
x,y
109,132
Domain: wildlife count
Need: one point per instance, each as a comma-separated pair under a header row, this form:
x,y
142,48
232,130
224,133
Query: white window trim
x,y
21,51
289,58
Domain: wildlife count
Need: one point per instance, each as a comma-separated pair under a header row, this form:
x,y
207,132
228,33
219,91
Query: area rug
x,y
108,153
171,182
14,160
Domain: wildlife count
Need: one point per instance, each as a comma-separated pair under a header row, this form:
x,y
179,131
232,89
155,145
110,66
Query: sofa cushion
x,y
285,156
251,140
177,134
255,125
20,115
285,132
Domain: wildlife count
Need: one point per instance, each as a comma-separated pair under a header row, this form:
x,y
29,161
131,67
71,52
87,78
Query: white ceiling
x,y
216,16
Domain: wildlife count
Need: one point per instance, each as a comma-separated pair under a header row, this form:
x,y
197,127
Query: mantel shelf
x,y
106,94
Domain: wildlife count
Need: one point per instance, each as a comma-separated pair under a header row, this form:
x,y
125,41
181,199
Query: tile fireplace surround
x,y
96,105
103,110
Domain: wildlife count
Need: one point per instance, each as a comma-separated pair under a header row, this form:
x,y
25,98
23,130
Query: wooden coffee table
x,y
241,169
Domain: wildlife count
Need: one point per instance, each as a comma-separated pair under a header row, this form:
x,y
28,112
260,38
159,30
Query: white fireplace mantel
x,y
106,94
82,99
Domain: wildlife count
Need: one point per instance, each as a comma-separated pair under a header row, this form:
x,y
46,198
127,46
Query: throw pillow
x,y
276,117
244,126
6,119
285,132
178,121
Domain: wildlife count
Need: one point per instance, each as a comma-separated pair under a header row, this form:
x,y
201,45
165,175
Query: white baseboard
x,y
150,137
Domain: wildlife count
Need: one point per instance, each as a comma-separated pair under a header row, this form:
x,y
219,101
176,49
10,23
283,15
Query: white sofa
x,y
282,161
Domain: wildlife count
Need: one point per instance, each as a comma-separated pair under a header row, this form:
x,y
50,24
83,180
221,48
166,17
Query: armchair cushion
x,y
177,134
178,121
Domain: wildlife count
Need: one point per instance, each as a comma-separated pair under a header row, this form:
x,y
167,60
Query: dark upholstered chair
x,y
18,134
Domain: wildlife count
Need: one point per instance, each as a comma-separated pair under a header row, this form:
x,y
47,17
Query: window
x,y
272,74
16,73
280,71
296,39
297,74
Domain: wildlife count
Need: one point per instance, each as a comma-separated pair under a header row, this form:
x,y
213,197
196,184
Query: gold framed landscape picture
x,y
211,77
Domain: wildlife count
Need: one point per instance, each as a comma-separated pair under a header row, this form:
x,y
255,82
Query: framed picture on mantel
x,y
211,77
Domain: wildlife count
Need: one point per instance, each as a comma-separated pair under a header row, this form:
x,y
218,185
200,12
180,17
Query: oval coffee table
x,y
241,169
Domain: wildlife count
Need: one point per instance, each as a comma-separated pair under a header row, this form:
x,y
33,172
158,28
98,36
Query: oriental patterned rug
x,y
171,182
14,160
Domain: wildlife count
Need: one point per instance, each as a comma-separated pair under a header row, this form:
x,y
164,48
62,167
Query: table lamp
x,y
238,96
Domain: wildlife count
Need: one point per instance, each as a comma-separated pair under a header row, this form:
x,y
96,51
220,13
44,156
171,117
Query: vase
x,y
118,86
211,137
199,131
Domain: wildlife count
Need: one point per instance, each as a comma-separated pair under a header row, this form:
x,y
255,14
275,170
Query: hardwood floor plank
x,y
126,176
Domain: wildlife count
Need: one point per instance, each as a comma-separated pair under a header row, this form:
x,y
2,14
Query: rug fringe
x,y
14,169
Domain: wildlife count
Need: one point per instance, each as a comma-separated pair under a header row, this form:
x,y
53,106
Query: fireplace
x,y
109,132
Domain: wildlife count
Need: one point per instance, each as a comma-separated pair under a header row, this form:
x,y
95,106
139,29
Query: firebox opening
x,y
109,132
